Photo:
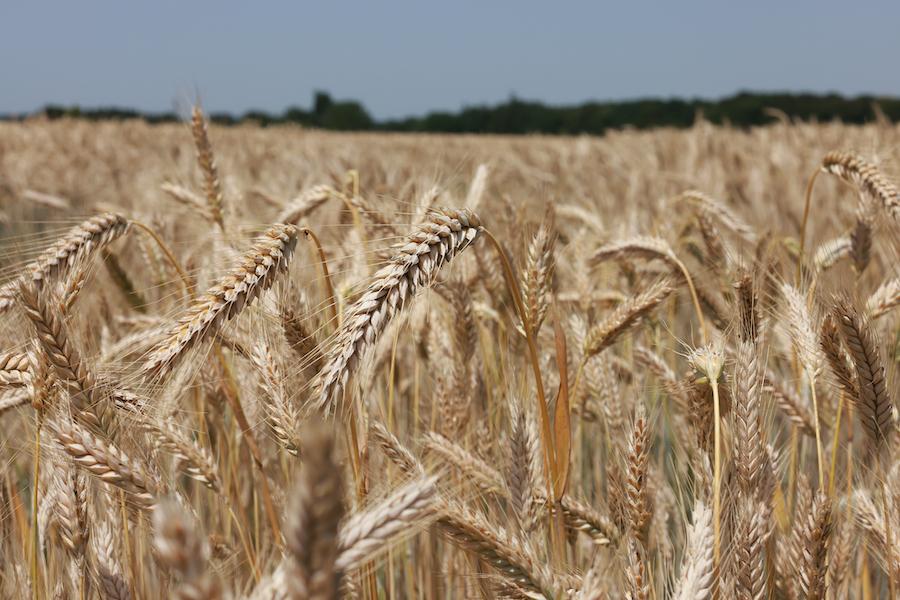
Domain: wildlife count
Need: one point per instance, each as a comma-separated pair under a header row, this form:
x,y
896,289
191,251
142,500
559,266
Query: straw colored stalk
x,y
414,266
875,406
866,177
255,272
54,263
312,534
69,366
212,187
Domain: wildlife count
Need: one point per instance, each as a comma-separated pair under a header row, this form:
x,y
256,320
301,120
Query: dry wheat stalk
x,y
512,559
581,517
71,512
716,256
108,463
482,474
749,554
645,247
626,316
54,263
636,571
884,299
413,267
306,203
393,449
828,254
10,399
812,550
477,187
108,569
281,416
840,363
14,368
70,368
538,275
191,458
875,406
749,444
809,353
187,197
255,272
696,581
207,162
861,238
866,177
721,212
312,535
519,480
369,532
637,493
178,547
299,333
881,536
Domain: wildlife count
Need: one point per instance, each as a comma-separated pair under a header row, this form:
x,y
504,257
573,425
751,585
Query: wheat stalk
x,y
367,533
69,366
54,263
865,176
696,581
108,463
178,547
312,535
207,161
413,267
254,273
875,406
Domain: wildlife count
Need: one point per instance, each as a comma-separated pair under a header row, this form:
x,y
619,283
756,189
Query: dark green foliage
x,y
518,116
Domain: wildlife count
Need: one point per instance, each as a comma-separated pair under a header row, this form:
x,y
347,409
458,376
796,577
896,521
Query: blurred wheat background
x,y
283,363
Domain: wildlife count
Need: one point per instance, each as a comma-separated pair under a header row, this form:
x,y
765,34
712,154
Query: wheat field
x,y
278,363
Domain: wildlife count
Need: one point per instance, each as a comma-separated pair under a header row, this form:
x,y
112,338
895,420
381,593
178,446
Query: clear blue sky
x,y
401,57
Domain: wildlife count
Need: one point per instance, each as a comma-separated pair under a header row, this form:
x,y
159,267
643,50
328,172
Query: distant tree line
x,y
519,116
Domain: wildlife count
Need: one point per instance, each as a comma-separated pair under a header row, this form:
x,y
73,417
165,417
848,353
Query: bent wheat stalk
x,y
55,262
413,267
256,271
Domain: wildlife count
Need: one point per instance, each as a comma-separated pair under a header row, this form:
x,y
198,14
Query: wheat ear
x,y
108,568
70,368
108,463
369,532
255,272
207,161
866,177
696,582
875,406
413,267
54,263
626,316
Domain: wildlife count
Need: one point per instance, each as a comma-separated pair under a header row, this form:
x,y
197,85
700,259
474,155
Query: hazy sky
x,y
402,57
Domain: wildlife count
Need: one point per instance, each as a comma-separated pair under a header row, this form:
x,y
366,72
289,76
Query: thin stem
x,y
546,433
819,456
717,472
244,542
188,284
247,433
326,276
694,299
557,547
889,542
809,189
834,443
35,583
